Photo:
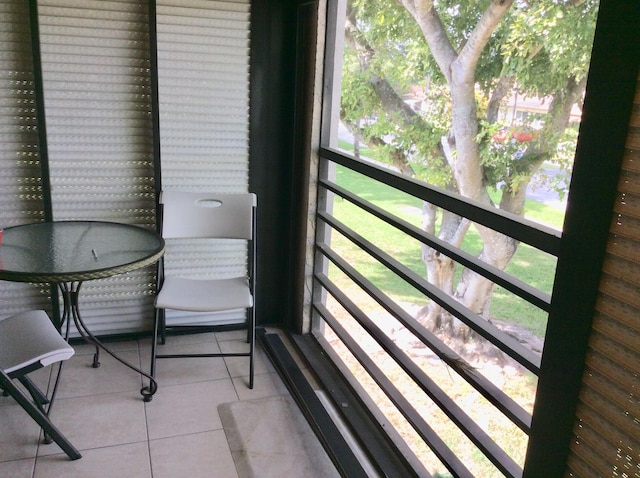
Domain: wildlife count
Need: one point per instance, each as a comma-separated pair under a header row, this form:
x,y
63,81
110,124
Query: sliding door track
x,y
374,454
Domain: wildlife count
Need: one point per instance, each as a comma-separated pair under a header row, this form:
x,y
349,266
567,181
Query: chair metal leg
x,y
252,345
251,358
153,386
47,438
39,397
37,394
39,416
162,324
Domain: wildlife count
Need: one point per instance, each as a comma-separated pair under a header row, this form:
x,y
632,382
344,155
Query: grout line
x,y
146,416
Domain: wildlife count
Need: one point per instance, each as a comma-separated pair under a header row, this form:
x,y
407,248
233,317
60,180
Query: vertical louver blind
x,y
203,77
20,178
95,62
607,429
97,85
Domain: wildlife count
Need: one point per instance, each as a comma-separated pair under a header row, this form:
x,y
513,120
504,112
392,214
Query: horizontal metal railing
x,y
485,329
492,393
422,427
501,278
537,236
448,405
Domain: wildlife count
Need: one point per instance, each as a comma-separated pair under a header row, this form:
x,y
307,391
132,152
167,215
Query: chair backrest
x,y
207,215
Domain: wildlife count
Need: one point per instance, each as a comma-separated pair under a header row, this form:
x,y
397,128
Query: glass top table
x,y
66,253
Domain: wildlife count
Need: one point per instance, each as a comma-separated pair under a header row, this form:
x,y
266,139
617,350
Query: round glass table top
x,y
65,251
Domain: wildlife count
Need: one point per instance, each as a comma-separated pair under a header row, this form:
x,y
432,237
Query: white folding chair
x,y
30,341
187,215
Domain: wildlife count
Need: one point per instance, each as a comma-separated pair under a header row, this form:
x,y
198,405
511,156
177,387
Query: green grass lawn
x,y
529,265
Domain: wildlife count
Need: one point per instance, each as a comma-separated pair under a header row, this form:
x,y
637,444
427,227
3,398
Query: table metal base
x,y
70,311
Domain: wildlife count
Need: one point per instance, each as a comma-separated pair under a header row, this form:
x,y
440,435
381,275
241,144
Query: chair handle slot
x,y
208,203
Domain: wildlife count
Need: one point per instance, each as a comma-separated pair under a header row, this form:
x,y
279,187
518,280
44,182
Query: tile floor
x,y
178,434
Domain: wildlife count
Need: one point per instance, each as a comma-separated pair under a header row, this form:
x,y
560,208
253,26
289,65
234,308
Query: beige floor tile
x,y
130,461
43,376
239,366
179,433
185,339
19,434
173,371
232,335
79,378
18,468
120,346
264,385
189,408
201,455
178,340
99,421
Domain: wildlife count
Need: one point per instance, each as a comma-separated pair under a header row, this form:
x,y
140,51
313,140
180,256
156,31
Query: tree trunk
x,y
441,268
473,290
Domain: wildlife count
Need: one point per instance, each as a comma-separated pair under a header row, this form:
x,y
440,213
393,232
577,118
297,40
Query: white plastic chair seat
x,y
28,338
197,295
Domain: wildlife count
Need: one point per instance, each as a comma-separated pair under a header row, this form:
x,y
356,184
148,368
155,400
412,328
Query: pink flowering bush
x,y
505,154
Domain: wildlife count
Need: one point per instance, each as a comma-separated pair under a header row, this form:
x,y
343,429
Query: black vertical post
x,y
43,148
271,152
306,33
613,77
155,106
41,118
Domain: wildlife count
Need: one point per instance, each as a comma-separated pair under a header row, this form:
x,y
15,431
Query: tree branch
x,y
399,159
502,89
363,50
391,101
434,32
472,49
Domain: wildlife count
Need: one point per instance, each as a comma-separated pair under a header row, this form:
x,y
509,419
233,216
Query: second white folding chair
x,y
188,215
29,341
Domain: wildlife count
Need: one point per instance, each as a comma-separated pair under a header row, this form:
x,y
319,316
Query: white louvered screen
x,y
20,178
95,60
203,76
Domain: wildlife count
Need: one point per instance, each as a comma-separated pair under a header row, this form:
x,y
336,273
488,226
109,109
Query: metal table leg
x,y
70,293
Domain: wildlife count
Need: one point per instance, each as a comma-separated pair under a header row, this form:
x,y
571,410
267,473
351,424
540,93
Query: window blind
x,y
97,88
20,177
607,427
203,81
95,62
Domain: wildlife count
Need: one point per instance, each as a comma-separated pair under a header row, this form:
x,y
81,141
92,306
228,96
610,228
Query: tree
x,y
468,56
